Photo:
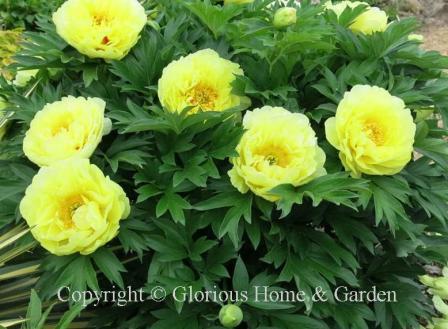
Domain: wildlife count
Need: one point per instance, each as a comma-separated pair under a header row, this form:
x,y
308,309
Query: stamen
x,y
68,208
203,96
272,160
375,132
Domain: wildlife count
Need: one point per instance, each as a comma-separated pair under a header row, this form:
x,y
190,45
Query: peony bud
x,y
285,16
423,114
416,37
230,316
23,77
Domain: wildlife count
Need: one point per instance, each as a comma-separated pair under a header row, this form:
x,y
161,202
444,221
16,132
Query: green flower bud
x,y
416,37
230,316
285,16
423,114
23,77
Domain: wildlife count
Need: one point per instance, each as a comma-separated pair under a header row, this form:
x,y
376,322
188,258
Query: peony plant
x,y
221,164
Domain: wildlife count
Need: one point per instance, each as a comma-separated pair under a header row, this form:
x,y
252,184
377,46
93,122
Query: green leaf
x,y
70,315
230,223
34,312
294,321
44,317
435,149
132,150
337,188
143,66
110,265
173,203
90,74
349,230
169,249
201,246
214,17
147,191
389,196
240,278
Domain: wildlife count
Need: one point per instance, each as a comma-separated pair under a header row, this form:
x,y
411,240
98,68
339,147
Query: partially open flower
x,y
339,7
101,29
371,20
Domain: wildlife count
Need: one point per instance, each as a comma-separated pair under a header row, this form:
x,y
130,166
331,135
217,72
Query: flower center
x,y
67,209
274,156
203,96
375,132
60,127
271,159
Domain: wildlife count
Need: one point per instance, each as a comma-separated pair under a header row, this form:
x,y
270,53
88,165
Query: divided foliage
x,y
23,13
190,227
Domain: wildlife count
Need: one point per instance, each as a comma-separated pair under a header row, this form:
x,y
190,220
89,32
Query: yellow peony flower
x,y
370,21
373,131
278,147
72,207
238,2
99,28
70,128
23,77
201,80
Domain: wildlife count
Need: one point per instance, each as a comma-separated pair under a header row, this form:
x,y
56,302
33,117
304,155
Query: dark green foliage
x,y
23,13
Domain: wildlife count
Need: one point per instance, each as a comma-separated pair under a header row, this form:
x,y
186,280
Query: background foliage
x,y
23,13
188,225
